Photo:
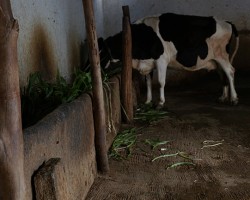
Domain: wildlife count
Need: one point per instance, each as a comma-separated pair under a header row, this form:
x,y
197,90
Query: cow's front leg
x,y
161,69
149,89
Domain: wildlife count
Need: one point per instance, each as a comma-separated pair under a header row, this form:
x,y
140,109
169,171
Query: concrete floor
x,y
221,172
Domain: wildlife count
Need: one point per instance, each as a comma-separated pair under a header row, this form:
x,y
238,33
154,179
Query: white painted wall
x,y
235,11
51,32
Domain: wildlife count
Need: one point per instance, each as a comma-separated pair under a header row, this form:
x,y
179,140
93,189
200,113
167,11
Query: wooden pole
x,y
126,77
98,100
12,183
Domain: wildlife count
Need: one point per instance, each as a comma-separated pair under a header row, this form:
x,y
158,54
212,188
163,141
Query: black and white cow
x,y
179,41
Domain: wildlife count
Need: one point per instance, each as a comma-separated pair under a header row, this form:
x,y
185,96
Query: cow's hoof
x,y
159,107
223,100
148,103
234,102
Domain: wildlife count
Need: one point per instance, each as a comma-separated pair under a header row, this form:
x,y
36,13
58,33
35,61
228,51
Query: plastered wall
x,y
50,36
235,11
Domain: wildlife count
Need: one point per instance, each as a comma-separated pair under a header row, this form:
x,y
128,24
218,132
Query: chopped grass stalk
x,y
181,154
211,145
184,155
165,155
211,141
155,143
180,164
124,140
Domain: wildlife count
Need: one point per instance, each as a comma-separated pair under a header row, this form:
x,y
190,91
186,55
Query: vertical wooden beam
x,y
126,77
12,183
98,101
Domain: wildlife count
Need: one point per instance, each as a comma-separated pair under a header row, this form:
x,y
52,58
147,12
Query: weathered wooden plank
x,y
98,99
126,77
12,184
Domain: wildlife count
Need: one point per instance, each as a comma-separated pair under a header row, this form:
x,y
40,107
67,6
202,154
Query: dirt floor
x,y
220,172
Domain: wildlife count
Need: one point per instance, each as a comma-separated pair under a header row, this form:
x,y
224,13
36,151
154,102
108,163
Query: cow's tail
x,y
236,35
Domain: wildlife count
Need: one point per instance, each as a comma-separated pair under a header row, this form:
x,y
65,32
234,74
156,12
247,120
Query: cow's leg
x,y
149,88
229,71
162,70
225,92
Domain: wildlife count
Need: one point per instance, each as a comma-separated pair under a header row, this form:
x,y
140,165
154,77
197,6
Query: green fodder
x,y
40,97
146,113
122,145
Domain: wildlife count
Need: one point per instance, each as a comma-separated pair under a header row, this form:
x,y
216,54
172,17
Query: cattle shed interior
x,y
194,147
60,27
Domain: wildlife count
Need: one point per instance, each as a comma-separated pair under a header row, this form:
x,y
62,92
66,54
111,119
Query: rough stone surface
x,y
45,181
66,133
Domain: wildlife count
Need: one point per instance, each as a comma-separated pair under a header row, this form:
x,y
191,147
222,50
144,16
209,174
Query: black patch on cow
x,y
189,34
145,43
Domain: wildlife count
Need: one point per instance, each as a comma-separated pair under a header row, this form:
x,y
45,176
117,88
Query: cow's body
x,y
183,42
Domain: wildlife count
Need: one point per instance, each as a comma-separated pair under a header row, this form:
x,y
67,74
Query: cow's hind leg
x,y
149,88
161,69
225,92
229,72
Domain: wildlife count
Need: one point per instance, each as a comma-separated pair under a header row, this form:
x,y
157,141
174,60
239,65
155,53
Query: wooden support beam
x,y
126,77
12,183
98,99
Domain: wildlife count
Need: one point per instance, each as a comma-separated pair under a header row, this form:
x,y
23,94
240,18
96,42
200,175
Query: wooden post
x,y
98,100
12,183
126,77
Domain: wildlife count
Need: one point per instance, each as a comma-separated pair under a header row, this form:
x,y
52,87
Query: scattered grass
x,y
146,113
165,156
181,154
155,142
211,143
40,97
123,142
180,164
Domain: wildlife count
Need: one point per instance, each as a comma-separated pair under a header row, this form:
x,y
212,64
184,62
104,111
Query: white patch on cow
x,y
152,22
145,19
161,65
222,28
149,89
143,66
